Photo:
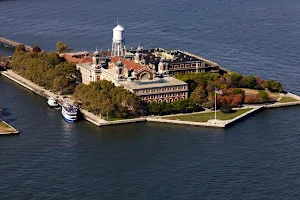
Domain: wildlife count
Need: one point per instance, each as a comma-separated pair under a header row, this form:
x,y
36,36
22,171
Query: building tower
x,y
118,41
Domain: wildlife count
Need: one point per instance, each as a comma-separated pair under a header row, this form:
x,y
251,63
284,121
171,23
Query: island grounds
x,y
225,120
120,86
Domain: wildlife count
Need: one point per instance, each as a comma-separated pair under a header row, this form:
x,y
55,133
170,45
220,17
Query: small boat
x,y
52,102
69,112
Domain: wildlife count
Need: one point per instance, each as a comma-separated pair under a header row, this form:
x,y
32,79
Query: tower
x,y
118,41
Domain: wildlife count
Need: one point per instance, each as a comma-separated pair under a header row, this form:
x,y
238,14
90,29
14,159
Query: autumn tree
x,y
237,100
36,49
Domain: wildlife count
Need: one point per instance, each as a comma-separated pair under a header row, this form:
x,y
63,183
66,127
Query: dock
x,y
13,44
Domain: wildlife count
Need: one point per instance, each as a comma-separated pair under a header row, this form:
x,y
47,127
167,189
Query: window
x,y
144,76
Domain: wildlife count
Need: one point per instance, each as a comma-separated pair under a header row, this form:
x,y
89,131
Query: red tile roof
x,y
129,64
77,60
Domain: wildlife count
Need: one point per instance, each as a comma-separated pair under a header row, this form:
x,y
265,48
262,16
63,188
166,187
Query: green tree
x,y
20,48
199,96
233,80
180,106
263,95
251,82
62,47
273,86
226,109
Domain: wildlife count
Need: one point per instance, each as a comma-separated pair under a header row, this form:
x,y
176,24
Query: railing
x,y
12,43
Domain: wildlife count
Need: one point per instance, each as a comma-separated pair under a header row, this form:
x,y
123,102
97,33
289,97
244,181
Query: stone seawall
x,y
242,116
96,120
218,124
125,121
46,93
278,105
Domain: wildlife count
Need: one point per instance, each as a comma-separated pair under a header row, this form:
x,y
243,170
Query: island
x,y
132,85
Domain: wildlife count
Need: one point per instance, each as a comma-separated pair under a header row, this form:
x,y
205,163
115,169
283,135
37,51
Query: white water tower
x,y
118,41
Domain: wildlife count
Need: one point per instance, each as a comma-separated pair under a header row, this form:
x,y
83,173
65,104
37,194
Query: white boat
x,y
69,112
52,102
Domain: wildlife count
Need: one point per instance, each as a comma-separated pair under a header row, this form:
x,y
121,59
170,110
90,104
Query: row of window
x,y
162,89
184,65
166,100
179,94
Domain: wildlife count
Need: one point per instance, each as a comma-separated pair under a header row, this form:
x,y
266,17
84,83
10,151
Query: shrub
x,y
226,109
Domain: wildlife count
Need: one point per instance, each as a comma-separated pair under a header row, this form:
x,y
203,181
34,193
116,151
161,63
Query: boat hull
x,y
70,119
52,103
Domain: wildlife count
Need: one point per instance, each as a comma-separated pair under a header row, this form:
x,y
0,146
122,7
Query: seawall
x,y
96,120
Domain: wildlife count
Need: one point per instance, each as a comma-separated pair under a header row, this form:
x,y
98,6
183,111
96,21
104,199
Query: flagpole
x,y
215,105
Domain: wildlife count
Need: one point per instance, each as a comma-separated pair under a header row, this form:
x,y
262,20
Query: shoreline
x,y
96,120
10,130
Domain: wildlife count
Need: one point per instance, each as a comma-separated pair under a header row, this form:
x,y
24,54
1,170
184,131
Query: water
x,y
256,159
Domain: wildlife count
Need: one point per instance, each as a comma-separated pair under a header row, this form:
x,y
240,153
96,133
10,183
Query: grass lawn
x,y
4,127
287,99
251,92
204,117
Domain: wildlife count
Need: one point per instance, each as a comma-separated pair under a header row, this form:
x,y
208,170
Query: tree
x,y
237,100
233,80
199,96
273,86
153,108
36,49
224,100
226,109
250,82
180,106
263,95
62,47
60,83
20,48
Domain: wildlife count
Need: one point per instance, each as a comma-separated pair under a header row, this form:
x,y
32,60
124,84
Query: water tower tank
x,y
118,34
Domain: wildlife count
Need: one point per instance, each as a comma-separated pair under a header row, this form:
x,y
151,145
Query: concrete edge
x,y
14,132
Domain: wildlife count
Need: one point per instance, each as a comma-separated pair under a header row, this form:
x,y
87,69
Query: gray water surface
x,y
257,158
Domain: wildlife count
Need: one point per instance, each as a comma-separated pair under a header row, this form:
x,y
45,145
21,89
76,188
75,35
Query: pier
x,y
13,44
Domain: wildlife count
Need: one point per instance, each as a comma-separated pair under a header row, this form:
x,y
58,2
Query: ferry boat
x,y
52,102
69,112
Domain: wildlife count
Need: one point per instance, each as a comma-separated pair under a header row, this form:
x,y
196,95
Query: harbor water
x,y
257,158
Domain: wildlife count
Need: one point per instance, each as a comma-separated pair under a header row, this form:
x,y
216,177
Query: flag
x,y
218,91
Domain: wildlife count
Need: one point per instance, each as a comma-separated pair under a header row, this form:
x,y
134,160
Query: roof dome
x,y
96,53
118,28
